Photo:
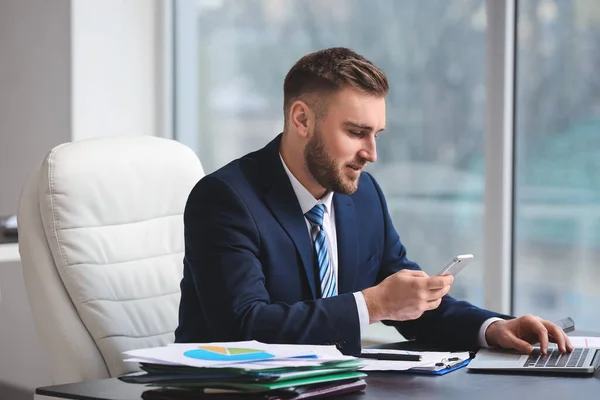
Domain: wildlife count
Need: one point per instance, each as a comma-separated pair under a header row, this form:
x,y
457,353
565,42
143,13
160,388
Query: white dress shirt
x,y
307,202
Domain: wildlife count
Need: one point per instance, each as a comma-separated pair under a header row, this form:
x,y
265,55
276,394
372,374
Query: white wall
x,y
35,86
69,70
114,68
34,116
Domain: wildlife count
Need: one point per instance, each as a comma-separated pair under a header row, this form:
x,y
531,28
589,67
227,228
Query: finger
x,y
542,334
413,272
568,345
439,282
555,334
433,304
513,342
437,293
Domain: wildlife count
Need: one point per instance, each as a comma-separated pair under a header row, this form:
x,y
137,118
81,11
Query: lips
x,y
354,170
355,167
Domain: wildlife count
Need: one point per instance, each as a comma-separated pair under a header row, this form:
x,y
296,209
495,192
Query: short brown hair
x,y
327,71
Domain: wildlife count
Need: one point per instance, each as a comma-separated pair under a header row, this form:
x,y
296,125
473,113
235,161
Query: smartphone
x,y
457,265
567,324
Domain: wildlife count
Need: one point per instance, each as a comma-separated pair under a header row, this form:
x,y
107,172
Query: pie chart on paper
x,y
223,353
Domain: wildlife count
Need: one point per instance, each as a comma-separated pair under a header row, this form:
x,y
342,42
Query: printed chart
x,y
223,353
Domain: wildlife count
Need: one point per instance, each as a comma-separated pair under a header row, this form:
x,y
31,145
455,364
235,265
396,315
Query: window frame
x,y
498,282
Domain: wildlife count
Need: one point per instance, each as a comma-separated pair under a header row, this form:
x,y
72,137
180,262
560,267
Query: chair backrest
x,y
101,243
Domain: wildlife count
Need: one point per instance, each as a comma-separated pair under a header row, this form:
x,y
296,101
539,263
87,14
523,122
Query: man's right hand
x,y
406,295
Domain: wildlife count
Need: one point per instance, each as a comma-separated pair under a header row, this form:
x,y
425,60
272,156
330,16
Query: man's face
x,y
343,141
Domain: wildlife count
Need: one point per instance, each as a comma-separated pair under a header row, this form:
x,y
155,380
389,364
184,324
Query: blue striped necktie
x,y
328,283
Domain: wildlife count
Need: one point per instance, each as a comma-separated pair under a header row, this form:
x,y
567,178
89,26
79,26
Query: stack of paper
x,y
250,367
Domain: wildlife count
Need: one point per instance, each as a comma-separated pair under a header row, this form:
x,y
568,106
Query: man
x,y
293,243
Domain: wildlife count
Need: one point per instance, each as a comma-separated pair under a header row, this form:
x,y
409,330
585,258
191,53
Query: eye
x,y
376,136
355,133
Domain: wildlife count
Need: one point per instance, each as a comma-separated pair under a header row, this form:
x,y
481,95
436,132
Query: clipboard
x,y
434,363
439,370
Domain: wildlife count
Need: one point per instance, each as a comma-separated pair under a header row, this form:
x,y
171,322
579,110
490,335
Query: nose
x,y
369,150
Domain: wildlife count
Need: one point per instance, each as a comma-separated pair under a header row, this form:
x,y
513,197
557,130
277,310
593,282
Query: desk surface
x,y
457,385
460,384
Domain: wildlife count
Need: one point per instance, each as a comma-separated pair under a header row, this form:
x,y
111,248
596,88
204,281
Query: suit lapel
x,y
281,200
287,211
347,240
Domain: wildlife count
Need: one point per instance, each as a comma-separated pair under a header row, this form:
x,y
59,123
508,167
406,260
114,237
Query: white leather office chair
x,y
101,242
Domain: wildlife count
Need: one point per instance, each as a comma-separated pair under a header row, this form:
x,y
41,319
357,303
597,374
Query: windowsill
x,y
9,252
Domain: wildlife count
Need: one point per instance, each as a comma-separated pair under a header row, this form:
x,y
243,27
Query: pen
x,y
391,357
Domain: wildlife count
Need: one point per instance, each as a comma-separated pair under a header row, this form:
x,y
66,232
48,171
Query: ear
x,y
301,118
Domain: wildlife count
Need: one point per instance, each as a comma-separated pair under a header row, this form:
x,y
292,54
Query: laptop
x,y
581,360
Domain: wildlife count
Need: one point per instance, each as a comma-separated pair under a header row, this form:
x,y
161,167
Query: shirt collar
x,y
306,200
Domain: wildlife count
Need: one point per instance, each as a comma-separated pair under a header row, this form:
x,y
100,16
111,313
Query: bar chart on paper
x,y
224,353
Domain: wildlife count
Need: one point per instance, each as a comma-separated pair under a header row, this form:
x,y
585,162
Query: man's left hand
x,y
520,333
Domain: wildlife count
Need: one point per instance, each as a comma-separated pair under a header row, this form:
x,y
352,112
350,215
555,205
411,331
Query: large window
x,y
557,210
431,158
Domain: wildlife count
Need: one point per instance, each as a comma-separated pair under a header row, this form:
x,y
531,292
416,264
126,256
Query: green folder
x,y
311,380
164,369
205,377
286,376
267,387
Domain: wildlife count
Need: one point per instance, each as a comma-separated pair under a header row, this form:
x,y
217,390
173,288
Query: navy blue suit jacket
x,y
249,268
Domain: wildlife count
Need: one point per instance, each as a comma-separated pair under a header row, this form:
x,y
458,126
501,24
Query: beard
x,y
326,171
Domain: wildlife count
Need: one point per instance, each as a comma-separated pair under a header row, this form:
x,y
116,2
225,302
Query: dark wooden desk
x,y
457,385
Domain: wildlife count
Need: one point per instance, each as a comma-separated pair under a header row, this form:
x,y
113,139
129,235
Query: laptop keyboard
x,y
556,359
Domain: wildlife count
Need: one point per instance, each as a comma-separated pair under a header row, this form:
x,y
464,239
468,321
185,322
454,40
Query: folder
x,y
433,363
440,369
312,392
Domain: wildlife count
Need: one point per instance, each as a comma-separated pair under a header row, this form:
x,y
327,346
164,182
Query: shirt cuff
x,y
363,311
484,326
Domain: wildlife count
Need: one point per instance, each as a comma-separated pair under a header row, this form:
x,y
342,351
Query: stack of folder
x,y
250,369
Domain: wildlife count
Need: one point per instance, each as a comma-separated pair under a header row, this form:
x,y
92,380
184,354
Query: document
x,y
251,355
430,360
248,367
585,341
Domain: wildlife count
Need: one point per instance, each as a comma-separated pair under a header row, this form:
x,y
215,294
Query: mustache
x,y
359,163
